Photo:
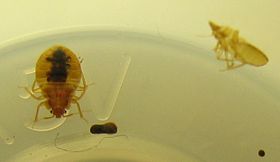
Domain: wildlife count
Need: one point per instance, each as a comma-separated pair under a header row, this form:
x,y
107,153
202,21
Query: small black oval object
x,y
107,128
261,153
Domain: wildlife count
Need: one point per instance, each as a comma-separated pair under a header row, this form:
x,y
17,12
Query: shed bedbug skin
x,y
231,48
107,128
58,76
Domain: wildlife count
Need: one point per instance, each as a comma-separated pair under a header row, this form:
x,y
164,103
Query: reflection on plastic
x,y
116,87
27,77
68,150
6,137
43,125
111,137
76,145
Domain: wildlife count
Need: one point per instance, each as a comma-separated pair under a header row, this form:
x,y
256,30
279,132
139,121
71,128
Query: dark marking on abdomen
x,y
59,68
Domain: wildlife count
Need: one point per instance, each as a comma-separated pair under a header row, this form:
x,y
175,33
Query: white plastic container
x,y
154,76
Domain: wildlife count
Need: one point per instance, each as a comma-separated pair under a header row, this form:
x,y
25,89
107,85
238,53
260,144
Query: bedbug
x,y
107,128
58,75
231,48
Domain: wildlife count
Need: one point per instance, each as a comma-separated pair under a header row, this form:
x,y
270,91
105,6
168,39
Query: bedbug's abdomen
x,y
58,64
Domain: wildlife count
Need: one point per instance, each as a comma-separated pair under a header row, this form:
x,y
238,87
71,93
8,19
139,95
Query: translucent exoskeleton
x,y
58,75
231,48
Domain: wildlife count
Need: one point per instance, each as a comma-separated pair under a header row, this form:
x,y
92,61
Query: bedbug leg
x,y
33,95
35,90
221,50
219,55
37,112
229,61
217,47
32,91
83,88
236,66
79,109
218,51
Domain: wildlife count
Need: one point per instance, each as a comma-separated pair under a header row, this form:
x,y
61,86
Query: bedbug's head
x,y
59,100
215,30
214,26
218,31
58,112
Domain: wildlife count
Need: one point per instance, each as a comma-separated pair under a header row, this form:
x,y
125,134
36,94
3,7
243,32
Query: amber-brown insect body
x,y
231,48
58,77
